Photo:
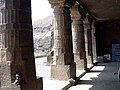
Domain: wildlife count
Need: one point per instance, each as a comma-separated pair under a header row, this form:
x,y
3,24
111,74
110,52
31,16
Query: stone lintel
x,y
63,72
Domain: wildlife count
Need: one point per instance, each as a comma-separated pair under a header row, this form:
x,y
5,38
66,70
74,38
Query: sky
x,y
40,9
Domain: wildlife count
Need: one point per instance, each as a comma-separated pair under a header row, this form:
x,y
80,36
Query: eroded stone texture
x,y
63,72
88,41
78,38
63,49
62,34
94,43
82,45
79,44
90,52
16,47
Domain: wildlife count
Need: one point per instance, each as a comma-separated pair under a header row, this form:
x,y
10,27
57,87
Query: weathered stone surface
x,y
79,62
76,36
63,49
62,32
79,44
16,47
61,2
63,72
94,43
89,45
88,40
75,12
89,60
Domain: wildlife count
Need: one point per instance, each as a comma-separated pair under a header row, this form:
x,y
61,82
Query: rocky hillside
x,y
42,34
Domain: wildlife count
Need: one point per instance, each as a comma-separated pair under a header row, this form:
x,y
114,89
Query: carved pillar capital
x,y
61,2
86,22
93,22
75,14
59,10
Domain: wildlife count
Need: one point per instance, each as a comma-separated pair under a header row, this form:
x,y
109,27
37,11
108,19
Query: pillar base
x,y
49,60
89,60
34,85
7,80
63,72
81,64
11,88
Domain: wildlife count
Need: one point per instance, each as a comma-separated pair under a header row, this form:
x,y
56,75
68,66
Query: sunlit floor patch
x,y
100,77
81,87
43,70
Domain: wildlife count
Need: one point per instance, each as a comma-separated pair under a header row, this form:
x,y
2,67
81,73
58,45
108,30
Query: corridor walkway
x,y
101,77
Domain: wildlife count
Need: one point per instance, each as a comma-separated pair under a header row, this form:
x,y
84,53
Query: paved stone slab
x,y
101,77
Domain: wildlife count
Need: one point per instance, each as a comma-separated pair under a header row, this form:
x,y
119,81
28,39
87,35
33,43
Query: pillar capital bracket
x,y
77,12
61,3
93,22
86,22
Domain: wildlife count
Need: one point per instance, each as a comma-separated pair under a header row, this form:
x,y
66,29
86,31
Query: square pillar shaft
x,y
63,49
16,47
88,41
79,44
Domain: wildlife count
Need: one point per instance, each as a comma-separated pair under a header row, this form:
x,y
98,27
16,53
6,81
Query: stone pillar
x,y
78,39
90,52
82,45
94,43
88,41
17,63
79,45
63,50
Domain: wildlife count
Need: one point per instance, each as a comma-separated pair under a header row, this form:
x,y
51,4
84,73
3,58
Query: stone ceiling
x,y
102,9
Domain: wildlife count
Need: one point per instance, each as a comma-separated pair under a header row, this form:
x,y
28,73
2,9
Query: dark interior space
x,y
107,33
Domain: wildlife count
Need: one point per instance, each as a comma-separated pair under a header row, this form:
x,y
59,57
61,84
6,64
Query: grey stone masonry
x,y
17,63
63,35
94,43
88,41
63,49
82,45
78,37
79,44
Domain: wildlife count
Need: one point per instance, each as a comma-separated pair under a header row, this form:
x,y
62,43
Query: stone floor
x,y
100,77
42,70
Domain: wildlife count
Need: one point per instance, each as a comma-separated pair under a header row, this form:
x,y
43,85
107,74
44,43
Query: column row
x,y
70,47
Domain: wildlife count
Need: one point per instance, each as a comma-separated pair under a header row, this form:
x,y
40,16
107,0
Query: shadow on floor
x,y
100,77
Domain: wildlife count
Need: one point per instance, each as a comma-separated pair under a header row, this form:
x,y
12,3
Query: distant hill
x,y
43,22
42,35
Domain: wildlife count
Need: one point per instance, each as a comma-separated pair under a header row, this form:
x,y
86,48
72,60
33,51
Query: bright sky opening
x,y
40,9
